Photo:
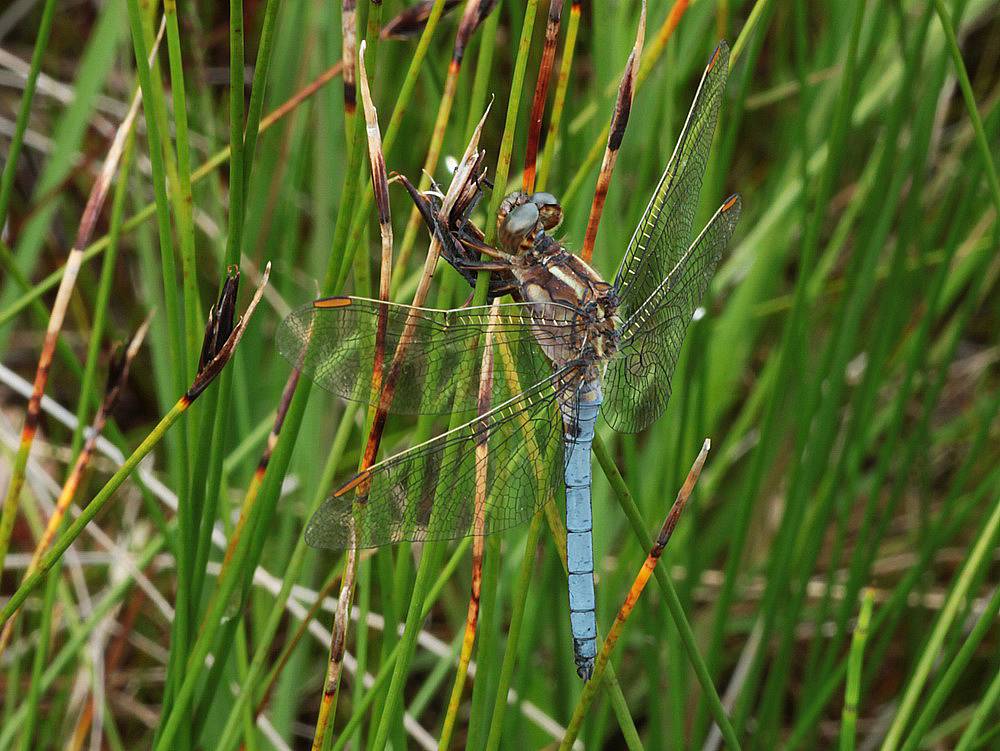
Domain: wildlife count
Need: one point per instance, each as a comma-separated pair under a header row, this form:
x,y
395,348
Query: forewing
x,y
428,491
663,233
333,341
638,378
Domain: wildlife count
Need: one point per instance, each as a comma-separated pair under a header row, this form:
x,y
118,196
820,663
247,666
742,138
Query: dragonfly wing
x,y
664,231
428,492
333,340
639,377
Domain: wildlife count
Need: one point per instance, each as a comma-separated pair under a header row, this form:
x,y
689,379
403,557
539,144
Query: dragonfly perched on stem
x,y
569,346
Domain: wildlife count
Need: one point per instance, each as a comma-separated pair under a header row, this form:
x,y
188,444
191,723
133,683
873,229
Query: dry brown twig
x,y
380,187
552,27
616,132
478,531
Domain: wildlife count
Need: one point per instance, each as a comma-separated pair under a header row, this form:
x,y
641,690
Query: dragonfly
x,y
567,346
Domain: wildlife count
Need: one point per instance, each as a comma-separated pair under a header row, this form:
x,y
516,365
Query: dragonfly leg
x,y
480,247
484,266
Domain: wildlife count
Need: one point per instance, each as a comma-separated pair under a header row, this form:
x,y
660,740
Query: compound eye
x,y
549,210
519,225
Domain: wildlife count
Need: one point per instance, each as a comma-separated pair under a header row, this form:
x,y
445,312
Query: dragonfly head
x,y
510,202
523,218
550,213
519,228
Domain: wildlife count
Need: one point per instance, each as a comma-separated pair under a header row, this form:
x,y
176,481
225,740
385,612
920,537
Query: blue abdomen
x,y
579,420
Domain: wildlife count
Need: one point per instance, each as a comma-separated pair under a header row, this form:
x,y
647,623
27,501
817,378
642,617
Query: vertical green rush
x,y
234,577
979,556
946,527
933,392
243,137
178,350
183,208
970,101
258,88
790,336
386,669
429,559
294,568
237,161
852,694
355,174
521,588
181,195
864,396
915,361
944,684
484,67
973,733
206,483
199,512
507,141
12,157
248,552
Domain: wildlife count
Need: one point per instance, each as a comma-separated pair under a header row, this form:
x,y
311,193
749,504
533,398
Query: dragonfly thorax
x,y
568,293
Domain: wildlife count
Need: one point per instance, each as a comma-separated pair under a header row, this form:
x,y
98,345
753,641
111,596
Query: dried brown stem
x,y
462,174
91,213
476,11
117,376
380,182
552,27
349,28
562,84
478,530
380,187
616,132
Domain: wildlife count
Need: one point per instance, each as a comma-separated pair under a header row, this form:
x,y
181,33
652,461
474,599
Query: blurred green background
x,y
845,370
